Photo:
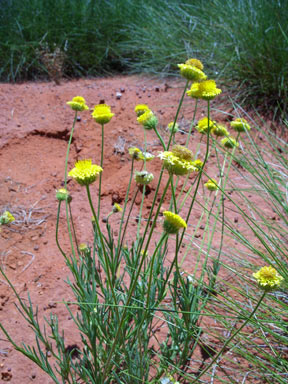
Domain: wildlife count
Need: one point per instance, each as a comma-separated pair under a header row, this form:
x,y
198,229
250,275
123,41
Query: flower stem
x,y
101,165
65,184
177,113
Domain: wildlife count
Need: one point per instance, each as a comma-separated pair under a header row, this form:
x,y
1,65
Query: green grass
x,y
243,42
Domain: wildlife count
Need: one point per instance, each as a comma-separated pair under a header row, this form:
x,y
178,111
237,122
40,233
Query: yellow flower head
x,y
85,172
219,130
172,222
268,278
202,126
177,163
62,195
141,108
78,103
173,128
205,90
6,218
182,152
116,208
84,249
138,155
240,125
195,63
211,185
229,142
198,164
191,72
143,177
148,120
102,113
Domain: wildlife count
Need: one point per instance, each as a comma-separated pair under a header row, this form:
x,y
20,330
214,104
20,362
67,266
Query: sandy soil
x,y
34,127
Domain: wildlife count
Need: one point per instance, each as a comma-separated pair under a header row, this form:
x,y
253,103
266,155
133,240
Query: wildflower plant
x,y
141,311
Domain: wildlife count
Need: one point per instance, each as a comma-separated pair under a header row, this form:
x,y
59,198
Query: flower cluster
x,y
173,128
6,218
173,222
102,114
143,177
205,90
148,120
211,185
141,108
268,278
204,125
85,172
78,103
178,161
229,142
62,195
240,125
191,72
138,155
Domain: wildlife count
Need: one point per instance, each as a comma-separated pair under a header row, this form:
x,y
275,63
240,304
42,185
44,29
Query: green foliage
x,y
242,41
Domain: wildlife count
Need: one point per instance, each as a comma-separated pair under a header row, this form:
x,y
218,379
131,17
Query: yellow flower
x,y
191,72
202,126
211,185
85,172
143,177
116,208
78,103
148,120
102,113
219,130
138,155
240,125
173,128
195,63
62,195
173,222
141,108
205,90
6,218
182,152
229,142
198,164
268,278
178,163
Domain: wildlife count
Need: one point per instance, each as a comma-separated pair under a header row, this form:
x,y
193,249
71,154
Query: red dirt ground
x,y
34,127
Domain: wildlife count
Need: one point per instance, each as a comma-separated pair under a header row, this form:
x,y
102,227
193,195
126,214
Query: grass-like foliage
x,y
144,315
243,42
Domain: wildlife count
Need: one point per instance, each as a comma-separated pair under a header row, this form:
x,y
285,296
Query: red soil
x,y
34,127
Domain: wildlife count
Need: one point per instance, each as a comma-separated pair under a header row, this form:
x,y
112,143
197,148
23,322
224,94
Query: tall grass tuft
x,y
242,41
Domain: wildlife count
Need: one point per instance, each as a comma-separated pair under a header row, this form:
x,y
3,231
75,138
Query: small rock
x,y
118,95
78,118
33,376
122,90
49,354
202,226
236,219
157,89
45,242
104,219
36,247
102,101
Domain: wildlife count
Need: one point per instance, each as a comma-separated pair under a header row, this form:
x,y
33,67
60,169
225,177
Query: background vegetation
x,y
243,41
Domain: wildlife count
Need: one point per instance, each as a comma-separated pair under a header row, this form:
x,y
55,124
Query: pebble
x,y
118,95
236,219
78,118
157,89
36,247
122,90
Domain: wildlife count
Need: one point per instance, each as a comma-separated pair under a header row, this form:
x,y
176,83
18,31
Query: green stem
x,y
173,194
101,165
65,183
160,138
177,113
192,123
57,227
73,227
230,339
103,247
